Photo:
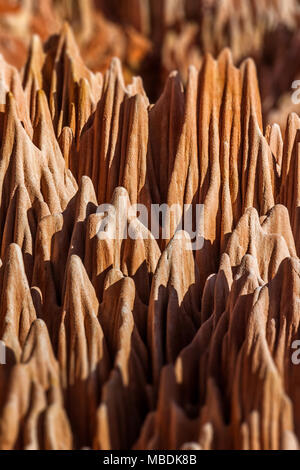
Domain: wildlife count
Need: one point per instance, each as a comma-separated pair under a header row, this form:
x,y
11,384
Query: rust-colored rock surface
x,y
147,341
154,37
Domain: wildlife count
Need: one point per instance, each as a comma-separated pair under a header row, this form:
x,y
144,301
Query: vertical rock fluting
x,y
153,38
117,342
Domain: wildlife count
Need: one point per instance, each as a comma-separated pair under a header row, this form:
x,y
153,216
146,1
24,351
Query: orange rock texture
x,y
143,342
154,37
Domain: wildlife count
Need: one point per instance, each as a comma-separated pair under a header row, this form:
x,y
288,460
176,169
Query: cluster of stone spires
x,y
154,37
140,343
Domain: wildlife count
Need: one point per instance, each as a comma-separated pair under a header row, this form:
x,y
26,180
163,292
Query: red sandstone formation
x,y
154,37
138,342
